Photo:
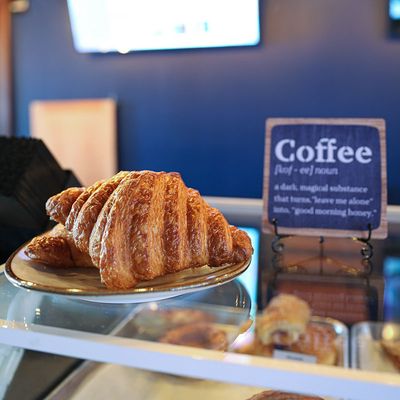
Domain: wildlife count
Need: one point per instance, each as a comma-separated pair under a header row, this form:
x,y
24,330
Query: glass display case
x,y
195,344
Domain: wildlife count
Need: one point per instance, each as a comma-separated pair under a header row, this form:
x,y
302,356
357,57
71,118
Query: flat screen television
x,y
131,25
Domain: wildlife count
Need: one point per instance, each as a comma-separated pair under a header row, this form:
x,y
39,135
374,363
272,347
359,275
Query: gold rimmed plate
x,y
85,283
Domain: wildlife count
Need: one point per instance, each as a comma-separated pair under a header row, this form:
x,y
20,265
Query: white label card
x,y
291,355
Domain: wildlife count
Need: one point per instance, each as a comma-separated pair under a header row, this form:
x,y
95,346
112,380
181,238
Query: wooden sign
x,y
325,177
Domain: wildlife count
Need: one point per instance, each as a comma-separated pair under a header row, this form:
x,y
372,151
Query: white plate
x,y
85,284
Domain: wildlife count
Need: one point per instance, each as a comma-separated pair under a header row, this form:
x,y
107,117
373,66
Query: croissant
x,y
137,226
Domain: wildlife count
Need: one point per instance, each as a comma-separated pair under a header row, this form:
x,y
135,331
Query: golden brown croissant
x,y
57,248
140,225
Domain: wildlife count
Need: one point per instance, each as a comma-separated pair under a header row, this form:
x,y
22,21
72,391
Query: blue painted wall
x,y
202,112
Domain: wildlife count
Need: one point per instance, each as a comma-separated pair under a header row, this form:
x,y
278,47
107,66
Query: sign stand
x,y
278,248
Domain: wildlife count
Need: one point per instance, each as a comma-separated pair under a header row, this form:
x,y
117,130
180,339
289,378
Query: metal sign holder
x,y
278,248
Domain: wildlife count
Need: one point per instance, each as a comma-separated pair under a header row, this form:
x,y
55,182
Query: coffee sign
x,y
325,177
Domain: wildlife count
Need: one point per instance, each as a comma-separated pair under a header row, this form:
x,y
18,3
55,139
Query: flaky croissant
x,y
137,226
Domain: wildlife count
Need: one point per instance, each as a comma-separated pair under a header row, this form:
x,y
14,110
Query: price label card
x,y
290,355
325,177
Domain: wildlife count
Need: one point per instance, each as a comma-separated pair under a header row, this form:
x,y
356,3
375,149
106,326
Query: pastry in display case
x,y
200,334
154,317
319,340
283,321
184,323
392,350
275,395
376,346
286,329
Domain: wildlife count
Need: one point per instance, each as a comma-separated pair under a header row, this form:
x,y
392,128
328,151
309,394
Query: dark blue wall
x,y
202,112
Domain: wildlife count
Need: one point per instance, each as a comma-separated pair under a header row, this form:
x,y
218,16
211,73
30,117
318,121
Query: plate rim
x,y
141,291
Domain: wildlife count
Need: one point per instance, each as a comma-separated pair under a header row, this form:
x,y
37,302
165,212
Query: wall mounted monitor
x,y
130,25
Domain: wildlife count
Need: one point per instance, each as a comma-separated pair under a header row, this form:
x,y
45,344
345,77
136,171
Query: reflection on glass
x,y
249,277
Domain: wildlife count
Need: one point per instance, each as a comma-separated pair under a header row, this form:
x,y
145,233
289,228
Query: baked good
x,y
283,320
392,350
184,316
57,248
202,335
319,341
137,226
154,323
285,324
276,395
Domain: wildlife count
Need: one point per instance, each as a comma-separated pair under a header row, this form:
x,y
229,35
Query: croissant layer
x,y
140,225
57,248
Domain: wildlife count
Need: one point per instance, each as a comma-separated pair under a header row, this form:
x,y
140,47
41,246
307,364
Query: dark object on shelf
x,y
29,175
